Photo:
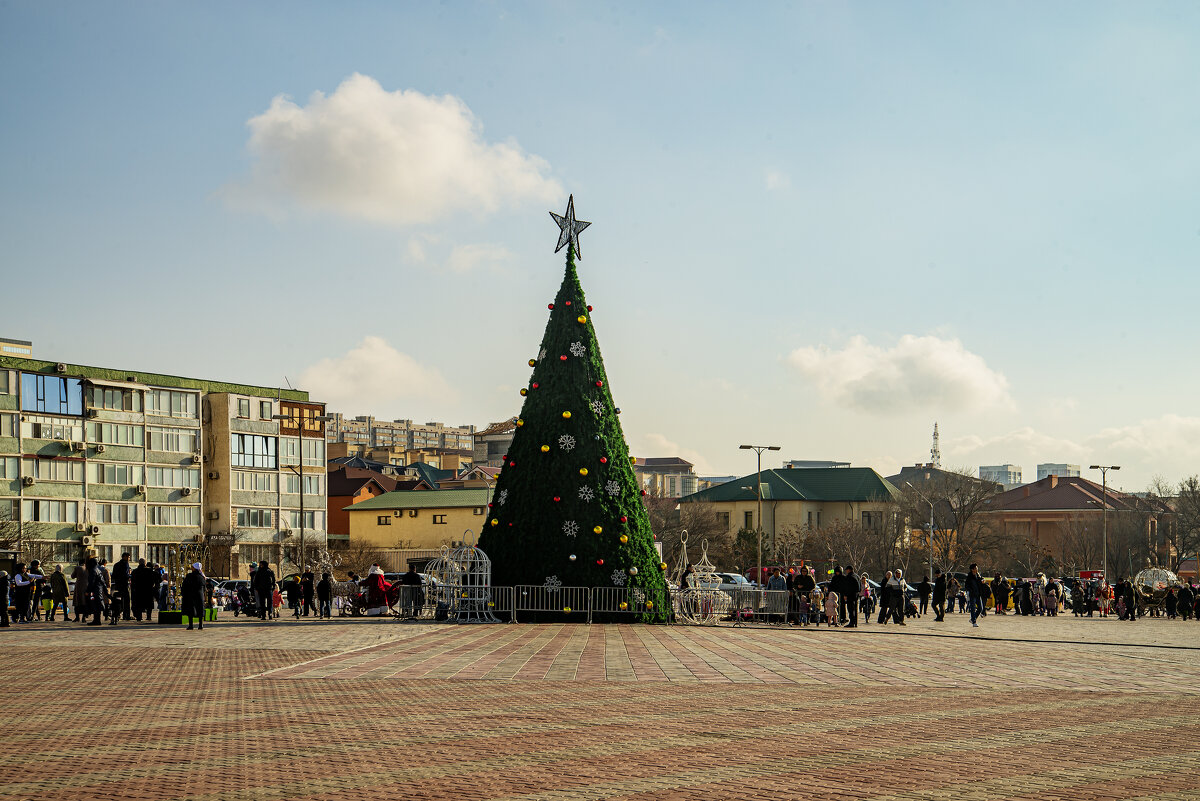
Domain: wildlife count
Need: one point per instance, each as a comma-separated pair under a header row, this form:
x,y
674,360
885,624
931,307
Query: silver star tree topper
x,y
569,227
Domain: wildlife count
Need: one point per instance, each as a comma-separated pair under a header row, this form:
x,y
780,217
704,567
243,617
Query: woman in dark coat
x,y
192,596
97,589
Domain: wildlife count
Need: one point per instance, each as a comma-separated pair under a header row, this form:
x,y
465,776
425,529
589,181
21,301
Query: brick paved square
x,y
1020,708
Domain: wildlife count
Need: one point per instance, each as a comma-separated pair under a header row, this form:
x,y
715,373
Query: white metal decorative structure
x,y
445,574
473,596
704,602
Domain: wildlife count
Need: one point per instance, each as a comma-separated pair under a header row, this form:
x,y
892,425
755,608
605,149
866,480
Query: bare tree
x,y
360,556
1183,530
1028,555
669,518
962,532
790,543
1079,544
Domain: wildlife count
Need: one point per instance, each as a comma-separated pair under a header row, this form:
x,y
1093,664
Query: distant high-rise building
x,y
16,347
1060,470
1007,474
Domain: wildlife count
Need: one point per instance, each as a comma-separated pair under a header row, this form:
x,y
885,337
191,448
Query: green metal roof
x,y
425,499
815,484
153,379
432,475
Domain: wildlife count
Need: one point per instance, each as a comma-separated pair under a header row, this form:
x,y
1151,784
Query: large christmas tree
x,y
567,509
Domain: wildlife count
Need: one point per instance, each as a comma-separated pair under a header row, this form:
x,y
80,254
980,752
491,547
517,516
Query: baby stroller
x,y
910,608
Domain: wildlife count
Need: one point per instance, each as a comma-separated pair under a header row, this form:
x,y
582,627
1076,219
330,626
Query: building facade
x,y
491,443
418,518
16,347
402,435
112,461
666,476
1008,475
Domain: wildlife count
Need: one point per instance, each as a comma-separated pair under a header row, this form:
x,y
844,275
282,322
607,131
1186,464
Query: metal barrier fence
x,y
484,603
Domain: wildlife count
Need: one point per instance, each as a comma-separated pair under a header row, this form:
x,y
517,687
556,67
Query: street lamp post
x,y
299,471
1104,506
929,542
759,450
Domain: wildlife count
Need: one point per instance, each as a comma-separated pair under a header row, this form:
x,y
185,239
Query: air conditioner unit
x,y
213,475
80,528
396,513
195,458
185,491
214,515
26,481
93,412
93,529
140,489
100,449
78,446
60,368
87,541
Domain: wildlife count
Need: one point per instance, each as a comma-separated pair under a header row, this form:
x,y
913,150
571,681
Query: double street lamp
x,y
759,450
1104,506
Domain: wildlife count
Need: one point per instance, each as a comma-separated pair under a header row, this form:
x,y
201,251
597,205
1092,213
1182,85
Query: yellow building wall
x,y
414,532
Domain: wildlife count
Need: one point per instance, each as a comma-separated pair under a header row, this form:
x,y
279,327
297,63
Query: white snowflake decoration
x,y
639,596
577,349
552,583
566,442
597,407
618,578
570,528
541,354
503,497
586,493
612,487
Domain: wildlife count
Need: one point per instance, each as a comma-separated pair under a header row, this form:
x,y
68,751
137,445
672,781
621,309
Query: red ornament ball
x,y
624,519
512,464
535,385
557,499
599,383
550,306
603,460
643,492
562,358
589,308
600,561
568,303
491,506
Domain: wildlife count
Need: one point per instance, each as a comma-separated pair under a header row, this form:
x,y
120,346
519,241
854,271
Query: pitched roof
x,y
1059,493
815,484
503,427
428,473
346,481
426,499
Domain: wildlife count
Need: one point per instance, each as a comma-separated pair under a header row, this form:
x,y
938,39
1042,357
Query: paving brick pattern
x,y
371,709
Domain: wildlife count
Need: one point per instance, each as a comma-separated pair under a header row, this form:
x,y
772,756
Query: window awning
x,y
99,382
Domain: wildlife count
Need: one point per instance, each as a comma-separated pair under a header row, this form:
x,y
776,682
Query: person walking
x,y
4,588
308,591
41,591
849,595
1000,593
120,587
1130,600
1185,600
324,592
952,590
939,596
58,593
142,581
79,596
22,593
97,589
899,597
191,596
414,592
264,589
924,590
976,591
885,597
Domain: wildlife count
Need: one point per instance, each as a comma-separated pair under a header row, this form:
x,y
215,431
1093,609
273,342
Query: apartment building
x,y
126,461
666,476
491,443
1007,475
1061,470
369,433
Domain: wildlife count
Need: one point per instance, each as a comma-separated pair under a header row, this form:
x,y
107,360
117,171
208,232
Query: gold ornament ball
x,y
495,522
624,538
464,595
624,605
532,362
633,460
662,565
583,471
633,571
524,392
567,609
649,604
520,422
597,530
581,319
545,449
566,415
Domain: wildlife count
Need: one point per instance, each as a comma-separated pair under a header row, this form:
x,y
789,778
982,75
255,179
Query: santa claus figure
x,y
377,591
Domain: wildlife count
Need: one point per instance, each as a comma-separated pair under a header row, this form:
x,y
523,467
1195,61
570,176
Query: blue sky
x,y
818,225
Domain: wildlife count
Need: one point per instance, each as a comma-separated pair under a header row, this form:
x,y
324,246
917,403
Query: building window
x,y
174,440
174,515
479,510
118,400
749,520
264,410
53,469
255,518
50,511
312,520
252,450
723,519
8,467
116,513
383,520
172,477
10,510
8,424
39,427
289,451
243,408
114,473
158,554
313,452
412,512
439,520
51,394
254,482
4,390
167,403
116,434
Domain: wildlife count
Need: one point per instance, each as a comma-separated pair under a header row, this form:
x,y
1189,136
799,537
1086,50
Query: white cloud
x,y
373,377
659,445
916,373
464,258
777,180
387,157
